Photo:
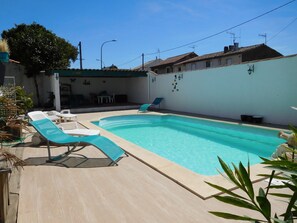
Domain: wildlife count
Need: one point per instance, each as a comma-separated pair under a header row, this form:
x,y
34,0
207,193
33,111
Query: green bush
x,y
23,99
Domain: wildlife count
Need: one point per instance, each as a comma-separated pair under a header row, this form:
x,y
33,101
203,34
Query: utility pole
x,y
80,55
142,55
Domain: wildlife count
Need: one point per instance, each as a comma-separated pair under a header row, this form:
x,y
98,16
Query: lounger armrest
x,y
68,125
65,111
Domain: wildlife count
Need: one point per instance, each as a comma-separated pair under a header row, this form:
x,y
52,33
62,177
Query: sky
x,y
157,28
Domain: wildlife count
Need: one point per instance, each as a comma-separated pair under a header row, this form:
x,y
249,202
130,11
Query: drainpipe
x,y
149,86
56,90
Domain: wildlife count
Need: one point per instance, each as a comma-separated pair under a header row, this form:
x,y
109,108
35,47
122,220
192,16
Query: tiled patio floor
x,y
80,189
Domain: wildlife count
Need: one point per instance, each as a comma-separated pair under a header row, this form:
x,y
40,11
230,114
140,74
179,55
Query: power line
x,y
218,33
130,61
283,29
225,30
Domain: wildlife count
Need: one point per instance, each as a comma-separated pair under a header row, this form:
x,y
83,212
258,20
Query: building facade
x,y
168,65
230,56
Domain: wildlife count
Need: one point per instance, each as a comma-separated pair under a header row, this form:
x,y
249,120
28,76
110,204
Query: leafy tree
x,y
38,49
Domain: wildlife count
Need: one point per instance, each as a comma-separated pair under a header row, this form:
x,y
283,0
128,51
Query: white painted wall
x,y
230,91
97,85
223,92
18,71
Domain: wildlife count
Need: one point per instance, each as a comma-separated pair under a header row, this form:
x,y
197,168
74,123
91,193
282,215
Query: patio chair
x,y
70,128
52,133
52,115
144,107
63,115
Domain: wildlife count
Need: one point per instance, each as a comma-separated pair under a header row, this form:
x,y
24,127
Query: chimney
x,y
225,49
231,48
236,46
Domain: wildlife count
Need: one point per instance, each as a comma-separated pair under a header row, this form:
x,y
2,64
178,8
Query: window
x,y
193,66
168,70
179,69
228,61
207,64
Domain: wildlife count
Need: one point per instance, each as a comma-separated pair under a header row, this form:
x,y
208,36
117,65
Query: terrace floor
x,y
80,189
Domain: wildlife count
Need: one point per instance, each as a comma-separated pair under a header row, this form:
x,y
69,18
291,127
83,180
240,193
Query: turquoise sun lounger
x,y
53,134
144,107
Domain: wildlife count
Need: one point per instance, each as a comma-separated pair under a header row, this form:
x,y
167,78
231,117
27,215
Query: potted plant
x,y
10,130
13,103
4,51
7,161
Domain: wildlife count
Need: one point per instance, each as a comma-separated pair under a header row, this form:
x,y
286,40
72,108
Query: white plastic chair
x,y
66,115
71,128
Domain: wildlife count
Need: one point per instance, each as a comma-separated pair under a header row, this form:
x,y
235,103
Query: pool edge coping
x,y
193,182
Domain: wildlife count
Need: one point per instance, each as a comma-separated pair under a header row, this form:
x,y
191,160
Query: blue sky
x,y
149,26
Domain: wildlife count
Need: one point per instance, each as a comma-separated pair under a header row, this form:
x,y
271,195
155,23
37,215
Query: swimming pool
x,y
192,142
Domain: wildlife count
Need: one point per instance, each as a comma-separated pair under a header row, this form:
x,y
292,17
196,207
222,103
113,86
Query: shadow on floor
x,y
69,162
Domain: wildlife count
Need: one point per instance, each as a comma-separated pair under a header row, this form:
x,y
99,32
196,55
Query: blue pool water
x,y
194,143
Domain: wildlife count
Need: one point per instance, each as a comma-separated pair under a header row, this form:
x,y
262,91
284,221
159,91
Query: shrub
x,y
260,202
4,46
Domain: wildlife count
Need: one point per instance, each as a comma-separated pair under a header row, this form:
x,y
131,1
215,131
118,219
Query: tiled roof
x,y
175,59
149,64
221,54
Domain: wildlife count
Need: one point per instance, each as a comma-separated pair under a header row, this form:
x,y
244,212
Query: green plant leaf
x,y
233,216
247,181
292,187
279,177
278,186
281,195
249,169
276,220
224,190
288,213
229,172
264,203
239,177
236,202
281,164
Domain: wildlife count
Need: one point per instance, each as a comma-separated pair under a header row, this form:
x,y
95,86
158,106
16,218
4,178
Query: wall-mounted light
x,y
56,76
154,79
251,69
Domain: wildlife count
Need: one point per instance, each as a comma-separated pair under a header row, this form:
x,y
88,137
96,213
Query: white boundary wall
x,y
228,92
18,71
